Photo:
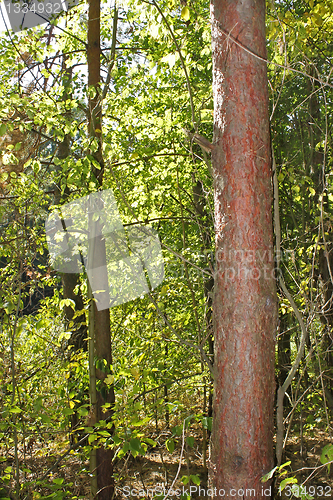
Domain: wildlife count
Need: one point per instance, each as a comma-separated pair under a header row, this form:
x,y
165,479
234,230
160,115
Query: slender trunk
x,y
245,301
165,390
202,214
71,280
284,355
100,320
325,254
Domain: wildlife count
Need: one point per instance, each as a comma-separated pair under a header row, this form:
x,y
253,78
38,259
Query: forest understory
x,y
158,471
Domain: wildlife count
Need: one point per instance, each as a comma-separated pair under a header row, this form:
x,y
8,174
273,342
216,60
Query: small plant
x,y
293,490
327,456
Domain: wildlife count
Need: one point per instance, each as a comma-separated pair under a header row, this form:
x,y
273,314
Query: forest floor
x,y
158,471
306,465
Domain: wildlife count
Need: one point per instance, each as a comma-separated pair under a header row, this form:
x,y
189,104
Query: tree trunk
x,y
325,271
100,328
245,301
69,281
284,355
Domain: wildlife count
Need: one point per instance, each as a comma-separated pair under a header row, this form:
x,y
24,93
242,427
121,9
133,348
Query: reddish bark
x,y
245,303
105,481
94,79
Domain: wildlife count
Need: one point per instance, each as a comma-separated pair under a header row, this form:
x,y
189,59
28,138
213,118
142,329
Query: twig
x,y
180,462
72,447
267,61
168,383
113,53
282,390
195,125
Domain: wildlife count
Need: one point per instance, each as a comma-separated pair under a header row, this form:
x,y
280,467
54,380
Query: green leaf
x,y
9,306
284,465
190,441
58,480
288,480
83,412
68,411
67,303
135,446
171,60
207,423
188,421
268,476
195,479
109,379
38,404
104,433
170,445
125,447
45,419
185,14
150,441
178,430
92,438
64,335
15,409
327,456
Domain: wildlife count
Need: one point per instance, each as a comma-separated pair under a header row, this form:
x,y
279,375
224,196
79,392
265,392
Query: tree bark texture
x,y
245,300
101,319
325,271
69,280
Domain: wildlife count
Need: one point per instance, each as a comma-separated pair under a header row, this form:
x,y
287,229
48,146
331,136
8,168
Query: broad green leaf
x,y
170,445
288,480
58,480
45,418
327,456
268,476
15,409
190,441
67,303
109,379
135,446
195,479
185,13
150,441
207,423
68,411
92,438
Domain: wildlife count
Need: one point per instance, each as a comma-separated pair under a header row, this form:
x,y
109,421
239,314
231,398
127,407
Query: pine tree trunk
x,y
245,301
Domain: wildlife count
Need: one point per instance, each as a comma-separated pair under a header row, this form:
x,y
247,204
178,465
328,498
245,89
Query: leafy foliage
x,y
159,85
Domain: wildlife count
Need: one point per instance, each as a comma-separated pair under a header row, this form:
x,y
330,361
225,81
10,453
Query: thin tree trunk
x,y
100,328
284,354
325,271
165,389
199,200
245,301
69,281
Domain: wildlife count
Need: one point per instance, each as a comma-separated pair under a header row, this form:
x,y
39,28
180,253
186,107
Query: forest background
x,y
156,76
